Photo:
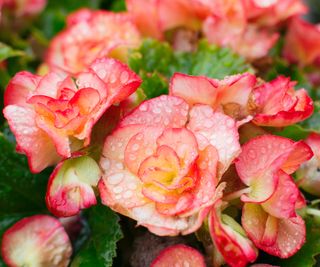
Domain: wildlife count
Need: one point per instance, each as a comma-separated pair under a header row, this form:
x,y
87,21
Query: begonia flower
x,y
230,239
25,7
302,42
243,38
277,104
273,12
230,28
90,35
53,116
38,240
309,172
281,237
179,255
230,95
269,213
154,17
261,159
70,186
163,162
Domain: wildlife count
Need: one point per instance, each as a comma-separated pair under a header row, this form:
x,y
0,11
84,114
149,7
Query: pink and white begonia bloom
x,y
302,42
24,7
277,103
269,213
230,95
90,35
179,255
230,239
261,159
309,172
38,240
70,186
250,41
230,28
163,162
281,237
273,12
154,17
53,115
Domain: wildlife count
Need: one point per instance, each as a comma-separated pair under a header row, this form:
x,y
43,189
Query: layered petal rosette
x,y
163,162
309,173
269,217
278,104
230,95
52,116
90,35
39,240
302,42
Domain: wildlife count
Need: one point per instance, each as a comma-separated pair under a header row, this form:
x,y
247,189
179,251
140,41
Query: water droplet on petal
x,y
117,189
128,194
112,78
105,164
156,110
124,77
135,147
252,154
115,179
119,166
143,107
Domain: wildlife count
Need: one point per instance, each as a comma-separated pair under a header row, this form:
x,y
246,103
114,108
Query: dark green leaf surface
x,y
100,249
20,191
295,132
313,123
156,62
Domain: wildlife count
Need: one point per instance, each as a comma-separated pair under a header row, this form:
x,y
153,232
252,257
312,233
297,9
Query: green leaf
x,y
118,6
20,191
295,132
100,249
216,62
7,52
305,257
156,62
313,123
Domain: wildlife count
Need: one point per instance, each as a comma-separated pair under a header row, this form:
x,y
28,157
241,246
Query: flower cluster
x,y
176,163
223,22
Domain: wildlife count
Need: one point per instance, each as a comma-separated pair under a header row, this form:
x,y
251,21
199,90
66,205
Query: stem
x,y
312,211
236,194
315,202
